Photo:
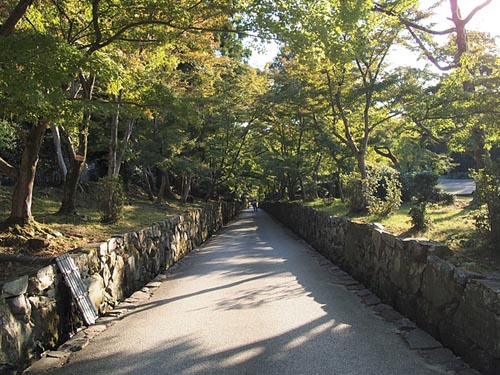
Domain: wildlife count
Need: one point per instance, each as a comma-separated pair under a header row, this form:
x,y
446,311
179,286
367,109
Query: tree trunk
x,y
301,183
113,140
124,145
186,188
15,16
57,146
161,192
361,161
149,190
23,188
479,150
76,164
78,156
317,163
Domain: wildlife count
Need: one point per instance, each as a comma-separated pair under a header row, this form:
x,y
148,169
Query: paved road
x,y
253,300
457,186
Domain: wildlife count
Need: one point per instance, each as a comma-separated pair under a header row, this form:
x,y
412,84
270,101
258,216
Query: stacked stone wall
x,y
459,308
36,313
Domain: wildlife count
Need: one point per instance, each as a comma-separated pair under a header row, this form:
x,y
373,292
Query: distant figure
x,y
253,202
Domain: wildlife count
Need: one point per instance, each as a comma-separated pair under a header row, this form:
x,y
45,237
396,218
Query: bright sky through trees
x,y
485,20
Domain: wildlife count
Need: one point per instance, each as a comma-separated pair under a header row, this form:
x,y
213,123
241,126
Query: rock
x,y
153,284
405,324
363,292
20,306
58,354
95,285
44,278
15,287
371,300
418,340
44,365
390,315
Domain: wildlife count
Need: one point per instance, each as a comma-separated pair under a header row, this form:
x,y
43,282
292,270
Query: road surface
x,y
253,300
457,186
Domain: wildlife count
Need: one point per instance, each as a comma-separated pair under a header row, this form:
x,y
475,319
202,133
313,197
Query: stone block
x,y
44,365
45,278
418,340
20,307
95,287
478,315
15,287
439,287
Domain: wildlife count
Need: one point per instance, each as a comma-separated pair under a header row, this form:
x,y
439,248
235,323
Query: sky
x,y
486,20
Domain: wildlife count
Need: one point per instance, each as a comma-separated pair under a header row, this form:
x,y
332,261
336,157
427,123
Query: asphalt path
x,y
253,300
457,186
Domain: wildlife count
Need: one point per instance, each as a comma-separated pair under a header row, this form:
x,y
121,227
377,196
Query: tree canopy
x,y
160,92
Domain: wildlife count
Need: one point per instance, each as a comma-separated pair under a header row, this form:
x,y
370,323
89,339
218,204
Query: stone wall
x,y
36,313
459,308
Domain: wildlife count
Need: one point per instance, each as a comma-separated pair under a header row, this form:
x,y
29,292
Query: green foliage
x,y
446,198
383,190
34,68
354,192
488,193
10,144
111,198
421,185
419,217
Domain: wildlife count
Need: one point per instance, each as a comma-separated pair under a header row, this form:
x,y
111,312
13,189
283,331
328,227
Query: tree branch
x,y
10,23
475,10
8,170
427,53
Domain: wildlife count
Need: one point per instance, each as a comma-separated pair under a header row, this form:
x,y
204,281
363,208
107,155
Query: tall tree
x,y
31,96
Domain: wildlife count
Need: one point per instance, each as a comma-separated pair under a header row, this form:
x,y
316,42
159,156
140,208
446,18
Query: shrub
x,y
384,191
488,193
419,218
423,185
110,199
446,198
353,191
380,193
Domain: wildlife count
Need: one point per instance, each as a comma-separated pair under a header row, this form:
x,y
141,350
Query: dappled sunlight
x,y
242,357
256,305
256,297
187,355
301,340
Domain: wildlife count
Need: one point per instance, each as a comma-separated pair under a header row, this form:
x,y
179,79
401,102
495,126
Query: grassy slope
x,y
86,227
452,225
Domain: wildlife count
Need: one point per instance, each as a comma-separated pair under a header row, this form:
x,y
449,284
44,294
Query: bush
x,y
384,191
423,185
419,218
353,191
110,199
446,198
380,193
488,193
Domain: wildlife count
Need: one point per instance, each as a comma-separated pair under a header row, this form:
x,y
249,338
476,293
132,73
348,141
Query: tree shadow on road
x,y
338,336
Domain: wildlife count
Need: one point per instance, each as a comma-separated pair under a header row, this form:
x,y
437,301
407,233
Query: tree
x,y
95,27
31,96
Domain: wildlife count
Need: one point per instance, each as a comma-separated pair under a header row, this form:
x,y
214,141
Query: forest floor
x,y
452,225
55,234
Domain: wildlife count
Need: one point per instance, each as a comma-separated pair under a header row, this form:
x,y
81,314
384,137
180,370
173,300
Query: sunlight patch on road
x,y
301,340
242,357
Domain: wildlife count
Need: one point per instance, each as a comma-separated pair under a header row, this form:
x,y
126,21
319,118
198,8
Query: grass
x,y
84,228
451,224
